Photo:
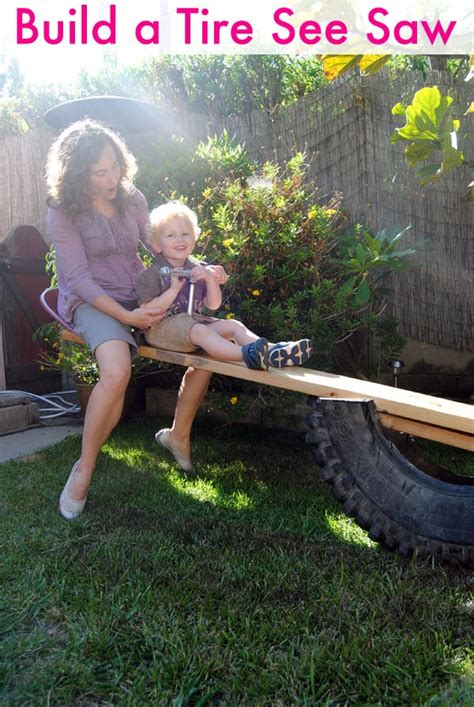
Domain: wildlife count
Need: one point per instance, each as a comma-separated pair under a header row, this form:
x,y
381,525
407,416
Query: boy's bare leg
x,y
233,329
192,390
216,345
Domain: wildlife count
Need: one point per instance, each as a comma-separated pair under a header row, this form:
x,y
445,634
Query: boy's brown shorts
x,y
172,333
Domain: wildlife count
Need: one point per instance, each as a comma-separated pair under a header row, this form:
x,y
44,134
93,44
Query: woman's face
x,y
104,175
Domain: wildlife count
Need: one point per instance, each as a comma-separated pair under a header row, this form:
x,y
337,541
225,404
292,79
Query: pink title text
x,y
197,26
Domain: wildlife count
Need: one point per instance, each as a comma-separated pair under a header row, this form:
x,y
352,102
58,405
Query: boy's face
x,y
175,240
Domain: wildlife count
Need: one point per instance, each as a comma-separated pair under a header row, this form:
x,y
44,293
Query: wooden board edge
x,y
443,435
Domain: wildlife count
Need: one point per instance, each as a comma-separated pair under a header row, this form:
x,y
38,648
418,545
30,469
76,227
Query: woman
x,y
96,218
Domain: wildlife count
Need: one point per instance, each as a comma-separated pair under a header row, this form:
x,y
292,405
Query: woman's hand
x,y
144,317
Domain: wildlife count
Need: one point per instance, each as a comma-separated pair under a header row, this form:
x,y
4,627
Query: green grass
x,y
246,586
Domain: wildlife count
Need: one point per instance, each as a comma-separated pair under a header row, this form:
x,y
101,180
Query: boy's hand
x,y
176,283
200,272
219,273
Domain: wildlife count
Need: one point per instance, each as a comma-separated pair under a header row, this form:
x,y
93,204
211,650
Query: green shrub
x,y
296,267
170,169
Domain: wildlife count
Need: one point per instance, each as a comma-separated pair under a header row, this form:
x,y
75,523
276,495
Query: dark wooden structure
x,y
22,279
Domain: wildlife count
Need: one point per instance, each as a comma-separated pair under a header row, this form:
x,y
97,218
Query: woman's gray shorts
x,y
95,327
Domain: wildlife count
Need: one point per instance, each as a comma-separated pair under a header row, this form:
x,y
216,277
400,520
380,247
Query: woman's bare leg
x,y
103,410
192,390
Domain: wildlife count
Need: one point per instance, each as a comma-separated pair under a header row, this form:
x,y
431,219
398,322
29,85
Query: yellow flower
x,y
207,193
228,243
230,315
233,400
256,293
330,212
312,213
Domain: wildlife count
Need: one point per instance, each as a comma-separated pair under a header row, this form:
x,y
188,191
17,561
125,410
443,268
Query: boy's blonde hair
x,y
160,216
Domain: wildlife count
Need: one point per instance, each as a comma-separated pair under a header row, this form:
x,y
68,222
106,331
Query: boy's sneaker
x,y
255,355
290,353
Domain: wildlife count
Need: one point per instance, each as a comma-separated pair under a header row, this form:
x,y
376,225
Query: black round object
x,y
127,115
399,505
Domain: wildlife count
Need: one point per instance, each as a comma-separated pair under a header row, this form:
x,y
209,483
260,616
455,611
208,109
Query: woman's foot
x,y
163,438
71,508
290,353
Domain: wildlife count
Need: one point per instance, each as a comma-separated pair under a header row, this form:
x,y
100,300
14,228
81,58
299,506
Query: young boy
x,y
172,235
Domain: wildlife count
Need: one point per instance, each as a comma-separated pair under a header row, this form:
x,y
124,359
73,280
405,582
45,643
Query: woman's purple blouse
x,y
96,255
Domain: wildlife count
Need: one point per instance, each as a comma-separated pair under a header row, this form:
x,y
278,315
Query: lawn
x,y
245,586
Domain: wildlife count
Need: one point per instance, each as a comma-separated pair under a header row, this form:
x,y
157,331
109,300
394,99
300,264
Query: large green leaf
x,y
440,111
335,64
427,100
452,158
429,172
371,63
418,151
362,295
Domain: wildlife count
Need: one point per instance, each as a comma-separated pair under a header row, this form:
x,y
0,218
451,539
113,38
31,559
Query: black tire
x,y
399,505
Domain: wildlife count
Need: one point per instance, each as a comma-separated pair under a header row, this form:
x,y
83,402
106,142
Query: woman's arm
x,y
138,318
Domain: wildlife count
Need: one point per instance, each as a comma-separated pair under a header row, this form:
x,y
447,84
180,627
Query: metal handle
x,y
181,272
177,272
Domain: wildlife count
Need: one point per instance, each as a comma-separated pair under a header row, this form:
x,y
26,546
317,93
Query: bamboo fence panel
x,y
345,129
22,187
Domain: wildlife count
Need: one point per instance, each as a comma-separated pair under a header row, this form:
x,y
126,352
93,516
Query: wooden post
x,y
3,377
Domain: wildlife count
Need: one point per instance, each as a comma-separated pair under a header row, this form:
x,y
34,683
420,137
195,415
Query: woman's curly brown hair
x,y
69,162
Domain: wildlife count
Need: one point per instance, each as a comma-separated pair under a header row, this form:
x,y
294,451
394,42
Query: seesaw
x,y
401,506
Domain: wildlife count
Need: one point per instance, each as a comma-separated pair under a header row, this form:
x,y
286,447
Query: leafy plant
x,y
225,156
172,169
65,357
222,85
296,268
430,129
77,360
335,65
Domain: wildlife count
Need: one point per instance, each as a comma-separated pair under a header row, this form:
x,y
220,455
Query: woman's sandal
x,y
162,437
70,508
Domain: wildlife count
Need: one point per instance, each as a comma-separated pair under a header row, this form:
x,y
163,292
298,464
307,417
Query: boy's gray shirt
x,y
152,284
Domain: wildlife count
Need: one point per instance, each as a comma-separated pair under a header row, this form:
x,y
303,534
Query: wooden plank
x,y
422,415
420,429
394,401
